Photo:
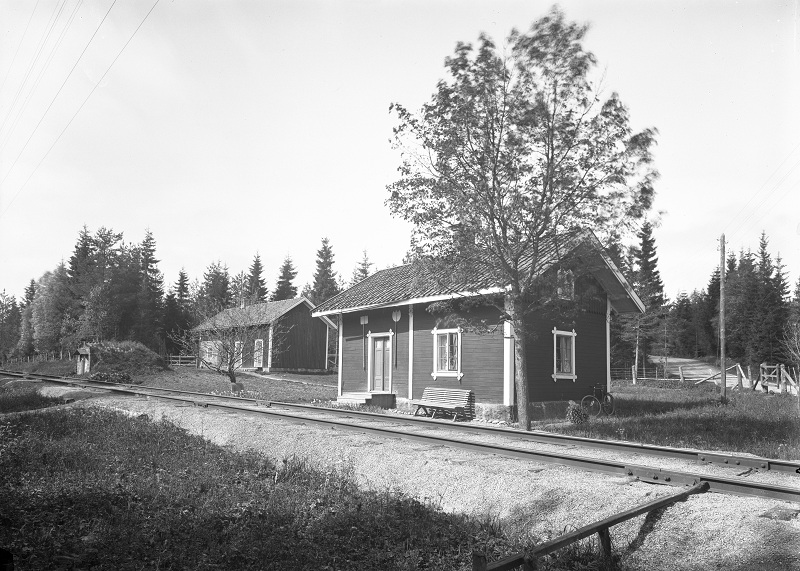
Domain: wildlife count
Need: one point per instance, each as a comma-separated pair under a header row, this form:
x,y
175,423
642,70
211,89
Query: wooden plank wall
x,y
303,341
481,357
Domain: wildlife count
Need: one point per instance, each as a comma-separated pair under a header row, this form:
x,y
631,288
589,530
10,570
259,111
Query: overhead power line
x,y
22,41
32,65
738,226
77,61
41,73
79,109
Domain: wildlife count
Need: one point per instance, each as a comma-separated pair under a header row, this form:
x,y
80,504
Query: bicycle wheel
x,y
607,406
591,405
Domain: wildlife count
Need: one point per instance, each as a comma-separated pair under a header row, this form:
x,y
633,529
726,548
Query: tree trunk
x,y
636,357
515,312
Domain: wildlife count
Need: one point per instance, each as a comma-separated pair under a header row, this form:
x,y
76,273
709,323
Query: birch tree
x,y
518,150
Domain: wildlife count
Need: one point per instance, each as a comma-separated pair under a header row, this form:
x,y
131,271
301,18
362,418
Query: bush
x,y
576,414
117,378
129,357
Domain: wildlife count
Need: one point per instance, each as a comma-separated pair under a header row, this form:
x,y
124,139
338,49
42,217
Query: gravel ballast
x,y
536,500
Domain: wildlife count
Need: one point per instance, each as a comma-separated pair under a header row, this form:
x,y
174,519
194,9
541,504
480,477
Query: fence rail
x,y
182,360
601,528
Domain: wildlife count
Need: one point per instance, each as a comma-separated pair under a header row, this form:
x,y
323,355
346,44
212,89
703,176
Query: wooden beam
x,y
600,527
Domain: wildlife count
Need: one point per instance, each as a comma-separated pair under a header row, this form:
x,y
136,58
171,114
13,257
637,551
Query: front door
x,y
381,361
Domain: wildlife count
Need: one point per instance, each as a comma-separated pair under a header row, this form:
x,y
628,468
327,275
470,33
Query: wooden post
x,y
605,540
633,374
738,376
478,561
722,312
680,372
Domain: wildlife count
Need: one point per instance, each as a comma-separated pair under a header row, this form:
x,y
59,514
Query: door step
x,y
381,399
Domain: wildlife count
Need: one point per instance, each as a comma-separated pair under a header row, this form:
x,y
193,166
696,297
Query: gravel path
x,y
537,500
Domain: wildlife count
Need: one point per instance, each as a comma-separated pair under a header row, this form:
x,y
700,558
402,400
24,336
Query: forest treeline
x,y
759,308
112,289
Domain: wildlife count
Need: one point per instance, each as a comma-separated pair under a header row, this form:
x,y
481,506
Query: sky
x,y
232,127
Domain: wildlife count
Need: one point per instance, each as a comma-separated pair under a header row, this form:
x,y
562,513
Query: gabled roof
x,y
256,314
408,284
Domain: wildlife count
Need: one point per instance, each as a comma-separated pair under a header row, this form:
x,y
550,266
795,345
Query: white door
x,y
258,354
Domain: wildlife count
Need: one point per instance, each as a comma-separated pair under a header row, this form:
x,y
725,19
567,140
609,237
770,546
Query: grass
x,y
694,417
256,386
92,489
16,397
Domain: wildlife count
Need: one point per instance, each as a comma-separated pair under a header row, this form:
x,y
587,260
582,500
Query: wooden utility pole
x,y
722,312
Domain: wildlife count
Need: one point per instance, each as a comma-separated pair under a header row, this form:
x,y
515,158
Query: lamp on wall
x,y
395,317
364,321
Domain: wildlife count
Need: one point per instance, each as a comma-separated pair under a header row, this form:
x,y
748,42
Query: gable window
x,y
564,355
446,353
566,284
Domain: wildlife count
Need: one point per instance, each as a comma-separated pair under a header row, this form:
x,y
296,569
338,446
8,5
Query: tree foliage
x,y
325,285
362,270
513,154
256,286
285,288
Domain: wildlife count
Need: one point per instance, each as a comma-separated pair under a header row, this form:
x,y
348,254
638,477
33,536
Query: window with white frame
x,y
564,355
258,353
566,284
446,353
237,353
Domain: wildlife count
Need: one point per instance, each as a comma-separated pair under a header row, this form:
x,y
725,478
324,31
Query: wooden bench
x,y
458,402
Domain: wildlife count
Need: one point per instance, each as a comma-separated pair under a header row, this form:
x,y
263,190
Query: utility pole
x,y
722,313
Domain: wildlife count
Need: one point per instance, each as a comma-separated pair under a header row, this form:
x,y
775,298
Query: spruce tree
x,y
325,285
149,328
239,290
794,306
215,294
30,293
256,286
647,280
362,270
284,288
182,291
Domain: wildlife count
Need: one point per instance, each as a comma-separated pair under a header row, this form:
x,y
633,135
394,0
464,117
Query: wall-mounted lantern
x,y
395,317
364,321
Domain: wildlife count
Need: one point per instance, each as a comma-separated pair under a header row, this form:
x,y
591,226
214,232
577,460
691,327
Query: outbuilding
x,y
392,345
270,336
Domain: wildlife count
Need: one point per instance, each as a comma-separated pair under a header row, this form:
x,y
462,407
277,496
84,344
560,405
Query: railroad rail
x,y
719,484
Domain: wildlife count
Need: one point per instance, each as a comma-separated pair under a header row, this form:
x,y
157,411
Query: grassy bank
x,y
694,417
18,396
87,488
287,389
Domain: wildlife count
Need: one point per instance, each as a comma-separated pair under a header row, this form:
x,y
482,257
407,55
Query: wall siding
x,y
303,341
354,363
481,354
590,354
481,357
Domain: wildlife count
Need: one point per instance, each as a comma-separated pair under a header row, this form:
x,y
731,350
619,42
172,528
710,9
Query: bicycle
x,y
600,401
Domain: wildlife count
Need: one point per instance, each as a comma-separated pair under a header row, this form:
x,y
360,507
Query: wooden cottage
x,y
392,346
270,336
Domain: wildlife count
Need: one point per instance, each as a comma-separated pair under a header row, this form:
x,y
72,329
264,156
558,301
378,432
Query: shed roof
x,y
409,284
256,314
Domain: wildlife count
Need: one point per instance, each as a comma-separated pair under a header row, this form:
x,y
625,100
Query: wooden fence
x,y
182,360
601,528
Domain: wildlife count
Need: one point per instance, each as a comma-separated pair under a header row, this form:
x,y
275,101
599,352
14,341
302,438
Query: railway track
x,y
380,424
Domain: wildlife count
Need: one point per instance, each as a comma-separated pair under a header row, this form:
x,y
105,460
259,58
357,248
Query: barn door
x,y
381,361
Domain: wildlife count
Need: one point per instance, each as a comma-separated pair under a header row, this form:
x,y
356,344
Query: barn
x,y
392,345
270,336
